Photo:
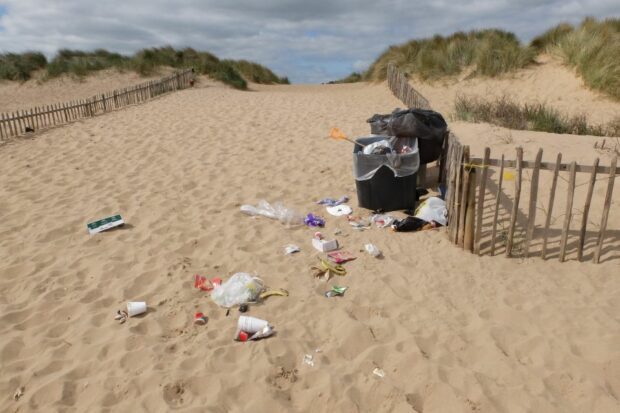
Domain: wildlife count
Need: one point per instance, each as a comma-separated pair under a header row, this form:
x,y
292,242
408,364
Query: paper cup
x,y
136,308
251,324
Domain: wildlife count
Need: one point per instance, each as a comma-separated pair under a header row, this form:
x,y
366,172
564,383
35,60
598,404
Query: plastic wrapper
x,y
276,211
402,164
433,209
238,289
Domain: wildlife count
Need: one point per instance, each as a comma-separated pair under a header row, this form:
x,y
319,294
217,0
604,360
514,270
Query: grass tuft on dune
x,y
491,53
146,62
592,48
19,66
537,117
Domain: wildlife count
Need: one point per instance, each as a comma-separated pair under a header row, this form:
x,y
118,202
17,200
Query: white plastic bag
x,y
433,209
275,211
238,289
382,220
373,250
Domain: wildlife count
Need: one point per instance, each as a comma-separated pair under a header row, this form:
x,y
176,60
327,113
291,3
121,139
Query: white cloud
x,y
309,41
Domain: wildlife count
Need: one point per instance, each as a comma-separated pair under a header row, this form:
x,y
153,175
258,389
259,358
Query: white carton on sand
x,y
325,245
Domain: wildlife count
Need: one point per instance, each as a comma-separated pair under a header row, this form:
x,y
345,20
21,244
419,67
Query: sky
x,y
309,41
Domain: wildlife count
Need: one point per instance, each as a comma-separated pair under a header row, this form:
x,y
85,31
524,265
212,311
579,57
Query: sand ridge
x,y
453,332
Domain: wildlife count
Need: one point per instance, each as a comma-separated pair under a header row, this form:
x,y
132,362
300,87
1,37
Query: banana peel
x,y
278,291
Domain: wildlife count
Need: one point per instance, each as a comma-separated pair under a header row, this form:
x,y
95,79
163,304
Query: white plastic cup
x,y
136,308
251,324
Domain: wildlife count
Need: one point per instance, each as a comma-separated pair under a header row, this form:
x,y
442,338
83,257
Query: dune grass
x,y
256,73
81,63
537,117
592,48
490,53
352,78
235,73
20,66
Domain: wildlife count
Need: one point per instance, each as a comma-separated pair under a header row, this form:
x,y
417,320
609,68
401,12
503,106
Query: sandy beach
x,y
452,332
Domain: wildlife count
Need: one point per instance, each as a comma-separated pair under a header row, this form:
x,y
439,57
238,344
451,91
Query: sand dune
x,y
548,82
36,92
453,332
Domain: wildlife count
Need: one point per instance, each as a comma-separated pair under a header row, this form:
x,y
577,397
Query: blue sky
x,y
308,41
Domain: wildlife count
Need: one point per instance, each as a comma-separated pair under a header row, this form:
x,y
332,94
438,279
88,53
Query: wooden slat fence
x,y
21,122
466,194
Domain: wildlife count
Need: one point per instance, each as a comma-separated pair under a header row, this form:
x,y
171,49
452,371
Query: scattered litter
x,y
276,211
336,291
312,220
200,319
433,209
340,257
135,308
19,393
378,372
243,308
204,284
326,269
337,231
358,223
382,220
252,328
339,210
309,360
324,245
509,176
238,289
105,224
318,350
373,250
378,148
279,291
331,202
291,249
121,316
413,224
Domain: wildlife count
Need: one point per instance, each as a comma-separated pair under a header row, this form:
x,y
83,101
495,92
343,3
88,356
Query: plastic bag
x,y
276,211
433,209
382,220
405,164
238,289
373,250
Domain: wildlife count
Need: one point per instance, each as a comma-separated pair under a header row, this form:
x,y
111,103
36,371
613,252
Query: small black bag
x,y
427,125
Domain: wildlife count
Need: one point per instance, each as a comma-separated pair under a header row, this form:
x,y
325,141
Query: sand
x,y
453,332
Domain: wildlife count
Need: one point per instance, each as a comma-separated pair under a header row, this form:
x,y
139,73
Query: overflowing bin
x,y
385,172
428,126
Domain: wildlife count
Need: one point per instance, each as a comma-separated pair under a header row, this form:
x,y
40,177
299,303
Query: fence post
x,y
464,166
468,239
570,193
532,210
586,210
481,194
610,190
515,205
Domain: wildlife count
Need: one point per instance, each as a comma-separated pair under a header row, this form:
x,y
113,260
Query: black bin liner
x,y
427,125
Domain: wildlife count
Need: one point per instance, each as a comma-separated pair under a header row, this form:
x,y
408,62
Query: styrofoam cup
x,y
251,324
136,308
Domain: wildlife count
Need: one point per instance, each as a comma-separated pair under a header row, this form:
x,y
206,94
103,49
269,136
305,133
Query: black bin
x,y
384,190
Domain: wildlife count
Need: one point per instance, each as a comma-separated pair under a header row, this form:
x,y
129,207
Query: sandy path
x,y
452,332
